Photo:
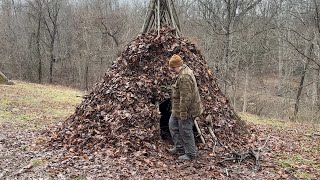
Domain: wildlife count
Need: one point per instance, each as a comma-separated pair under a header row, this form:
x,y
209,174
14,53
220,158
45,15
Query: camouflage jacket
x,y
186,100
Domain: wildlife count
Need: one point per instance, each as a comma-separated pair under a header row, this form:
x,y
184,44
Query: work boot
x,y
185,157
176,151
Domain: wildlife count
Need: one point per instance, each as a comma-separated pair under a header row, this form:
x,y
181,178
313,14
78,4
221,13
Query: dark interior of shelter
x,y
165,110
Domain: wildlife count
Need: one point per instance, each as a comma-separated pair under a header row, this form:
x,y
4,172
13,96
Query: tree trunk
x,y
296,105
51,65
86,76
38,50
51,24
245,93
317,58
315,99
280,66
80,67
226,60
236,83
318,90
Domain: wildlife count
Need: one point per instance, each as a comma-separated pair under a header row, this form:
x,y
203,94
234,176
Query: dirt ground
x,y
289,154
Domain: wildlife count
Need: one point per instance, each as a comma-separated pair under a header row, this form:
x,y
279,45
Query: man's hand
x,y
183,116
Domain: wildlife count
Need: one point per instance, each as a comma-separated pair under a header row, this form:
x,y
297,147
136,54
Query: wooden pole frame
x,y
161,12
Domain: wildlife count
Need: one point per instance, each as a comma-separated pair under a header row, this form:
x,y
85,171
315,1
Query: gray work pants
x,y
182,135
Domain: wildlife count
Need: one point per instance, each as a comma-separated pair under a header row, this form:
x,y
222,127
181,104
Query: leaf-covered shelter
x,y
122,110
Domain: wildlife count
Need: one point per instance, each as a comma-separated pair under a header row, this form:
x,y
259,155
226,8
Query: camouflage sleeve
x,y
185,88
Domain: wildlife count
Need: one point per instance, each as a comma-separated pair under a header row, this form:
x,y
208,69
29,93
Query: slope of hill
x,y
28,111
36,105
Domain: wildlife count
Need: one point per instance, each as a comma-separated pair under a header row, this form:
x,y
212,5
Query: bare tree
x,y
36,13
225,18
110,20
259,50
300,34
51,22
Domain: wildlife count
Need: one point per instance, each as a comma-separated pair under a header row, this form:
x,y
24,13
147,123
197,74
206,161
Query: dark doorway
x,y
165,110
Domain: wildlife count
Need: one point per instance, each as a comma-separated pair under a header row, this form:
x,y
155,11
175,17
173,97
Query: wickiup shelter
x,y
123,109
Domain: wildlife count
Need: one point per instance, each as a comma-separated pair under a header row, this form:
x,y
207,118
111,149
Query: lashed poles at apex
x,y
161,12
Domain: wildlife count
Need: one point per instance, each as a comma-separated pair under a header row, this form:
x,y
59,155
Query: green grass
x,y
303,175
281,124
264,120
5,115
286,163
306,147
292,163
307,150
41,104
5,102
79,178
37,162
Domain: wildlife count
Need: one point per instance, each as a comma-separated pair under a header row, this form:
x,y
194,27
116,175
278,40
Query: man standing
x,y
186,105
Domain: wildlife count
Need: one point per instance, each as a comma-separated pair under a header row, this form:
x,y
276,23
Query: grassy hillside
x,y
292,152
36,105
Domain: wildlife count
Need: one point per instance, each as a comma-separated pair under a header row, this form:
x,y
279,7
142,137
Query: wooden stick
x,y
265,143
213,135
175,18
199,131
159,17
254,153
150,12
215,139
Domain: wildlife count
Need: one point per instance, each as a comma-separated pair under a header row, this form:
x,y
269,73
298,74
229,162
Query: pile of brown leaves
x,y
121,112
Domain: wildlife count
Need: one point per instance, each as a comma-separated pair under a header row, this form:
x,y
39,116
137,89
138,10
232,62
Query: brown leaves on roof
x,y
120,111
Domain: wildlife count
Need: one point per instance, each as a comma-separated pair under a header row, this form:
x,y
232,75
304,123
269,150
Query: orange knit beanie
x,y
175,61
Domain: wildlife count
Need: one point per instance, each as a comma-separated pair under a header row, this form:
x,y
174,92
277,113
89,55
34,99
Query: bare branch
x,y
300,52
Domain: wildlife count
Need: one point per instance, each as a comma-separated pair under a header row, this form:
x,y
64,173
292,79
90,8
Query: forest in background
x,y
265,53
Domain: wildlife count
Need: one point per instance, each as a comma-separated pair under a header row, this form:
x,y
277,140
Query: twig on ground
x,y
24,169
227,172
265,143
252,153
312,134
211,132
84,96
